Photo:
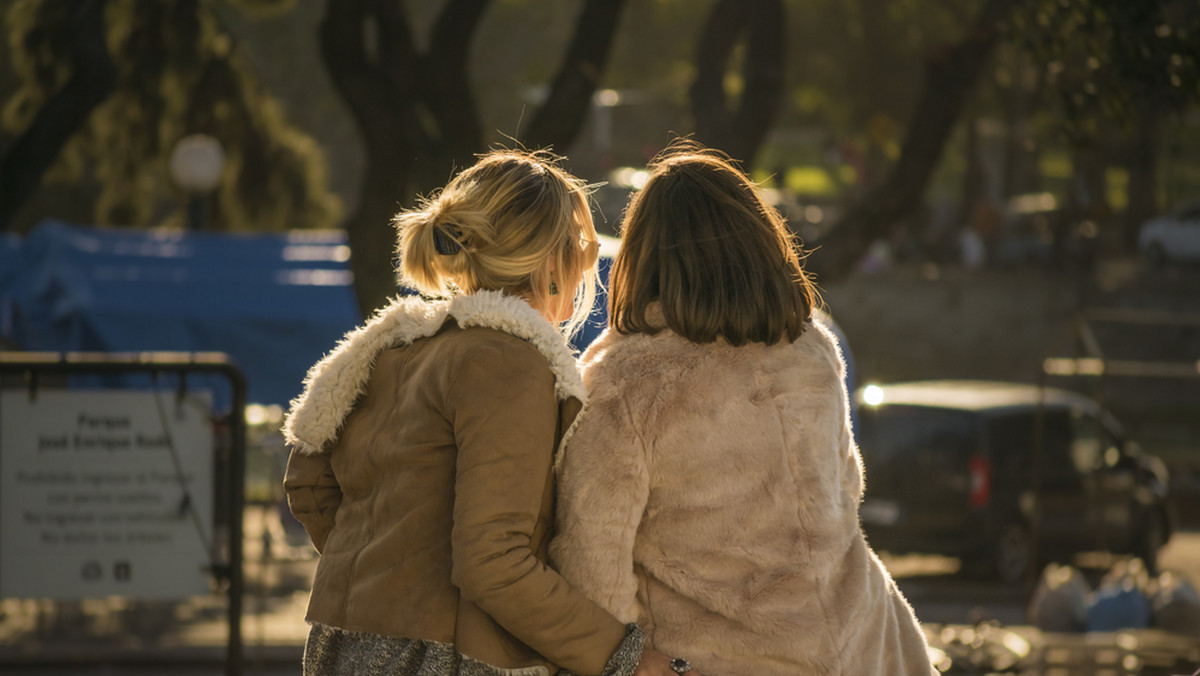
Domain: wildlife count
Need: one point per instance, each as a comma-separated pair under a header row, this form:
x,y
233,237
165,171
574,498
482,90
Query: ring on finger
x,y
680,665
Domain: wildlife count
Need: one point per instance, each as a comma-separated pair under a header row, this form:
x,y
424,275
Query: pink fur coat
x,y
710,493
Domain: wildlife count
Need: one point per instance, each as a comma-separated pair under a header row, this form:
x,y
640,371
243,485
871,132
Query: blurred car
x,y
958,467
1172,238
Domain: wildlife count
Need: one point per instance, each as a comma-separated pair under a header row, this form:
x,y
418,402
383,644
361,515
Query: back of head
x,y
496,226
699,240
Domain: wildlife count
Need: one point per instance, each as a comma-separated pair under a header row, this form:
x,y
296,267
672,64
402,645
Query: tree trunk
x,y
559,120
950,78
1088,196
1020,157
417,115
739,126
393,102
93,78
1143,176
974,185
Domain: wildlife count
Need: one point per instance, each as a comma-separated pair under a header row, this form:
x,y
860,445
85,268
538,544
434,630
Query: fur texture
x,y
335,382
711,494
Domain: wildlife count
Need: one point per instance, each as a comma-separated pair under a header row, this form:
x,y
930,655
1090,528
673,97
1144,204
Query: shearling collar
x,y
335,383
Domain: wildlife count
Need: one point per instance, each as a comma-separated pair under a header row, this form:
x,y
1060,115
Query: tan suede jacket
x,y
422,467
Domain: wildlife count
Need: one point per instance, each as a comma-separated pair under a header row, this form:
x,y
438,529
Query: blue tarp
x,y
274,302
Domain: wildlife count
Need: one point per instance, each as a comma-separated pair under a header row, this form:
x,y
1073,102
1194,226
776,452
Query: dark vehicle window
x,y
915,433
1013,439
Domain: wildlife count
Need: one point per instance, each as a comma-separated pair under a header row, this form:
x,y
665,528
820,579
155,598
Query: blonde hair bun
x,y
496,226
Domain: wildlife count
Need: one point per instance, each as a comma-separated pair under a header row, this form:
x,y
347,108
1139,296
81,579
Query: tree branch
x,y
345,55
398,57
445,85
763,74
558,120
453,30
375,98
950,78
738,127
710,107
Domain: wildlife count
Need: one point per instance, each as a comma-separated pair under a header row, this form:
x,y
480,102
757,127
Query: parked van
x,y
1004,476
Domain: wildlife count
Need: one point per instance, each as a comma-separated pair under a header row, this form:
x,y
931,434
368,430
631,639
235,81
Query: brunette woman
x,y
710,493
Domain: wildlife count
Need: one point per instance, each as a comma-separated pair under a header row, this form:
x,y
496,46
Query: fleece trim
x,y
335,382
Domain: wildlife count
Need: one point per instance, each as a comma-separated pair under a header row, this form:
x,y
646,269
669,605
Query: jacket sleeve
x,y
603,490
505,417
313,494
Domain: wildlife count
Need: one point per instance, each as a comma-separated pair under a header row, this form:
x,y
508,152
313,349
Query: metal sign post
x,y
98,471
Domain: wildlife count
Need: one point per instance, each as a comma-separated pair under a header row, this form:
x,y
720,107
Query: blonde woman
x,y
422,447
710,492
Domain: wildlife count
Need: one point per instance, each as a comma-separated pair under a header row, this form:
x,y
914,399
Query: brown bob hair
x,y
699,240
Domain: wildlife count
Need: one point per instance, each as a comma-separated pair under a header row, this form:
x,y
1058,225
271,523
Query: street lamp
x,y
196,164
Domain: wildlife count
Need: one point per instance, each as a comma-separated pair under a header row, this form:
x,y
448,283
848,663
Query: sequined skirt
x,y
335,652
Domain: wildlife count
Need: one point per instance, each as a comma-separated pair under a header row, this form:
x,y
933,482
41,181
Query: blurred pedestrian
x,y
987,222
422,447
971,249
711,490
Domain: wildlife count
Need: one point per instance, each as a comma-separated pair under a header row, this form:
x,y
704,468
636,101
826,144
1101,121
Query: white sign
x,y
105,493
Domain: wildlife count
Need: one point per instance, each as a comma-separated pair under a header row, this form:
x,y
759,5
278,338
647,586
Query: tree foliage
x,y
1115,68
1108,59
63,93
177,73
430,84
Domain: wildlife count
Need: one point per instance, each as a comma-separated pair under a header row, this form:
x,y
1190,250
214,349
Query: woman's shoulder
x,y
631,354
510,335
822,342
616,350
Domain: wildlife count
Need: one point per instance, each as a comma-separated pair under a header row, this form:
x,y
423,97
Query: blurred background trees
x,y
104,89
1120,74
904,121
416,107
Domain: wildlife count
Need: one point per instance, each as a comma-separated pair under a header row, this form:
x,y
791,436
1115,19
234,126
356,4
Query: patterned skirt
x,y
330,651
